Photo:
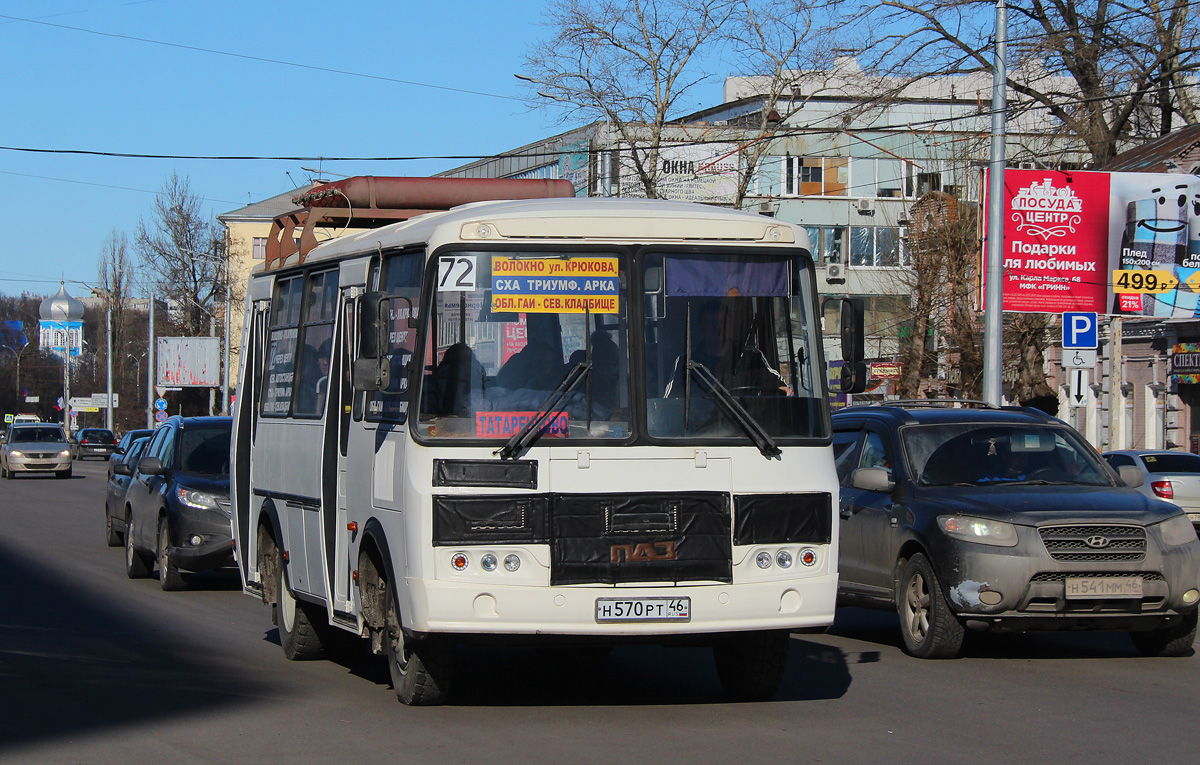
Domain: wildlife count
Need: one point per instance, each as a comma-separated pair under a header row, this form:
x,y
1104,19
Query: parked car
x,y
35,448
126,439
177,511
1173,476
1005,520
118,485
92,442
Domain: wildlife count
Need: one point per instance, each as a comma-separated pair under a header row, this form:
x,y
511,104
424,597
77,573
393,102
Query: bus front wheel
x,y
751,664
422,670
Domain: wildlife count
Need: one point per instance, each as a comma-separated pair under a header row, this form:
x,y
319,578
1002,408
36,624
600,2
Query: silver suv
x,y
1005,520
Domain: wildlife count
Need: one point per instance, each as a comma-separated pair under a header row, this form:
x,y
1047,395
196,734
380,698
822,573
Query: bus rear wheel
x,y
751,664
299,634
422,670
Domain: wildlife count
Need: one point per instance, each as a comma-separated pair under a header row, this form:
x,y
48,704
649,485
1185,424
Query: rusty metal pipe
x,y
368,191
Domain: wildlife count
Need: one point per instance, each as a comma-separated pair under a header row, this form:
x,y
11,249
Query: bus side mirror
x,y
372,374
854,371
372,326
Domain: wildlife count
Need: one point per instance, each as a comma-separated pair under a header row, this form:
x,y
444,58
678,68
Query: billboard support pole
x,y
993,327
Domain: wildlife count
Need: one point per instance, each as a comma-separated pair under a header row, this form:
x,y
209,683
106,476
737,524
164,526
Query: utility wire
x,y
262,59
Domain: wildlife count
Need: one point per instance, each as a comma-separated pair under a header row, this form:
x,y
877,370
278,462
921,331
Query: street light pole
x,y
225,365
108,416
150,368
993,328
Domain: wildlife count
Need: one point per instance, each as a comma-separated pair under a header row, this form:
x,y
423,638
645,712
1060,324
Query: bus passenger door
x,y
349,438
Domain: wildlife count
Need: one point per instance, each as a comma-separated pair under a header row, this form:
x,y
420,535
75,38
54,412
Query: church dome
x,y
61,307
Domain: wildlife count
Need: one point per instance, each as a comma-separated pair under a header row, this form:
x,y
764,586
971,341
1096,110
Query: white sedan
x,y
1170,475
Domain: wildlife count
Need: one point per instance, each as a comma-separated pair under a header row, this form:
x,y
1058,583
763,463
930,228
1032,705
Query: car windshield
x,y
984,454
506,332
37,435
743,322
1175,464
205,450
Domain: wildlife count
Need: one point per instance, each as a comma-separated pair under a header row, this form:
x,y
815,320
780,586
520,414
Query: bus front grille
x,y
645,537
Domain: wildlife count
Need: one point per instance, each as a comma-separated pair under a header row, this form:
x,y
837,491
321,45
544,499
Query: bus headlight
x,y
459,561
511,563
784,559
763,559
488,562
808,557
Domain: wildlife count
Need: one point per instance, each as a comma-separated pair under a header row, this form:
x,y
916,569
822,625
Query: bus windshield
x,y
506,331
724,327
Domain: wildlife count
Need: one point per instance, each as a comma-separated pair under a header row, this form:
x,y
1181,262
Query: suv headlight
x,y
65,453
15,453
1177,530
199,499
979,530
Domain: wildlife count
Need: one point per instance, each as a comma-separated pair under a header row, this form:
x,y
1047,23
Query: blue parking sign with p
x,y
1079,330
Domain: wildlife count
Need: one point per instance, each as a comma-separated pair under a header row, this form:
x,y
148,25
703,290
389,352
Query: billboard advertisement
x,y
188,362
1115,243
62,337
689,173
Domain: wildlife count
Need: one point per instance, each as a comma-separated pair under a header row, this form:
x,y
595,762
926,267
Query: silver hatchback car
x,y
36,448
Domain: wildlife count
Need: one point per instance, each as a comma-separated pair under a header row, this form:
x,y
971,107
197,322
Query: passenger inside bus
x,y
537,366
605,368
453,381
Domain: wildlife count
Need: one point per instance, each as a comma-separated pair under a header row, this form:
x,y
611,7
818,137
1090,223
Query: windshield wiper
x,y
532,429
761,438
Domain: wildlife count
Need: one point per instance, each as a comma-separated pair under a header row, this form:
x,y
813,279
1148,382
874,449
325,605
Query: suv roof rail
x,y
962,403
946,403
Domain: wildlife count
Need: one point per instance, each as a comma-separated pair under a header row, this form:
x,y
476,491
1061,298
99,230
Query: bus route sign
x,y
555,285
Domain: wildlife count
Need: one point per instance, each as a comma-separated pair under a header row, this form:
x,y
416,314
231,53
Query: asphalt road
x,y
95,667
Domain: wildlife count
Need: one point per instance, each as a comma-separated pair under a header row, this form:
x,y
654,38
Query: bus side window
x,y
312,380
281,348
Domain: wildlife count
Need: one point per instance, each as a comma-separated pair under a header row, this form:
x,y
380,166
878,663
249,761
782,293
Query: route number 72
x,y
456,273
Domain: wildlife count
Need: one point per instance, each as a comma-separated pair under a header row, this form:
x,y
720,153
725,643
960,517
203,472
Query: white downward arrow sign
x,y
1079,382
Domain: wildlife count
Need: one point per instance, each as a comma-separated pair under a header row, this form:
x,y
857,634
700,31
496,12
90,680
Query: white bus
x,y
597,418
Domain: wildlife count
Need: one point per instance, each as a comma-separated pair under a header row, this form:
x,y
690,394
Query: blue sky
x,y
65,89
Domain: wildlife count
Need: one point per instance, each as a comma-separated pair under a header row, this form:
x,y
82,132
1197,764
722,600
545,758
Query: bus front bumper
x,y
438,606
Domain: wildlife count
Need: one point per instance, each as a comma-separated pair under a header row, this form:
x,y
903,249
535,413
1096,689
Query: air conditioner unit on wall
x,y
865,206
835,273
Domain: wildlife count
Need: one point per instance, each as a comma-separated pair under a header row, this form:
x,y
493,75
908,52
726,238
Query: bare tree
x,y
1092,66
779,45
183,254
943,249
115,273
1029,337
628,63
